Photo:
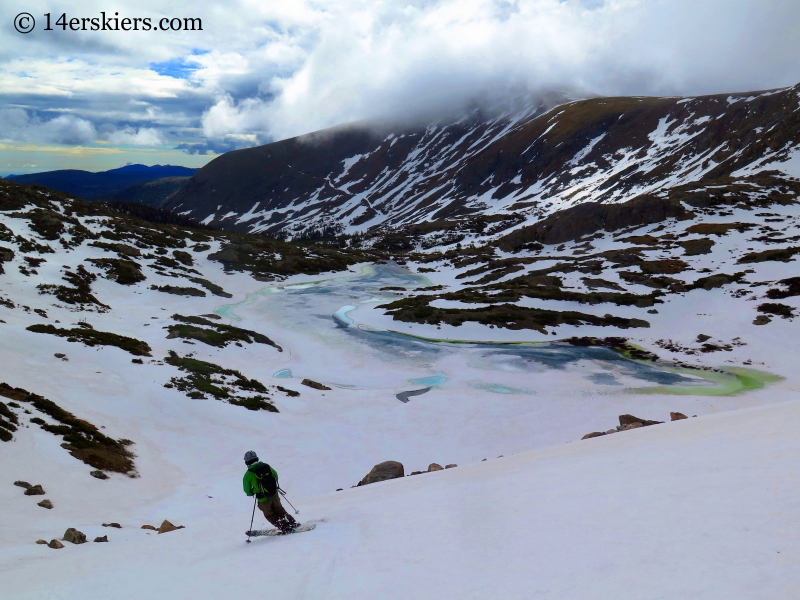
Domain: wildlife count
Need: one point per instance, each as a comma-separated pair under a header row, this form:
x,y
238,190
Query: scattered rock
x,y
629,419
435,467
74,536
384,471
117,525
98,474
55,544
102,538
451,466
166,527
35,490
43,542
23,484
314,384
594,434
149,527
45,504
676,416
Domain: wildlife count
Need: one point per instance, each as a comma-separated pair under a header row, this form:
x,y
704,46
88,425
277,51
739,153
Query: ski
x,y
274,532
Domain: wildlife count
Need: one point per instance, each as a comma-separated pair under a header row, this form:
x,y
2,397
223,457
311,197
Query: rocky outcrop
x,y
382,472
35,490
74,536
102,538
590,217
630,420
676,416
435,467
45,504
314,384
23,484
626,422
166,527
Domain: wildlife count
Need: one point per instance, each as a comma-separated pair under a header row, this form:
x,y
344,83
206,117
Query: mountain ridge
x,y
100,185
522,167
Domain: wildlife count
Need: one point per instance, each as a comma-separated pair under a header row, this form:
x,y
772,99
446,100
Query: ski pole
x,y
297,512
253,516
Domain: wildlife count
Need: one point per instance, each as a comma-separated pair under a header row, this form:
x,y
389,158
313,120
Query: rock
x,y
594,434
98,474
149,527
23,484
117,525
635,425
44,542
74,536
35,490
166,527
102,538
339,489
416,473
762,320
314,384
435,467
384,471
676,416
703,338
55,544
628,419
45,504
451,466
611,431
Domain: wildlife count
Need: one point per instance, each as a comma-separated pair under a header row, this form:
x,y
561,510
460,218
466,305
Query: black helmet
x,y
250,457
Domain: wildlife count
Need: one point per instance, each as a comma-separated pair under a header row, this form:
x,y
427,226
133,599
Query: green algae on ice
x,y
734,380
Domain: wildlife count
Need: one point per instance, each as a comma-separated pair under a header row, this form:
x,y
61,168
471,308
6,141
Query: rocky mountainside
x,y
512,170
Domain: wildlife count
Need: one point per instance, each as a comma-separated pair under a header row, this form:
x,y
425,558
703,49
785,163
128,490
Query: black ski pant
x,y
275,513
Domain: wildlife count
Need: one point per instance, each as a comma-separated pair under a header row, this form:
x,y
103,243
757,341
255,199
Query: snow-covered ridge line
x,y
534,162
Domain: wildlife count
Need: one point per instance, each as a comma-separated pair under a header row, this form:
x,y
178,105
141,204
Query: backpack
x,y
267,484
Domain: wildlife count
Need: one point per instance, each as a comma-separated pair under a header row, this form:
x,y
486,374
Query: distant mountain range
x,y
519,167
105,185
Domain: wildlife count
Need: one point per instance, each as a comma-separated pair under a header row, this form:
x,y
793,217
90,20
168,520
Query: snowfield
x,y
703,508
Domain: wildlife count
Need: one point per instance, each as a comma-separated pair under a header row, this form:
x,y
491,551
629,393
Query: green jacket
x,y
250,482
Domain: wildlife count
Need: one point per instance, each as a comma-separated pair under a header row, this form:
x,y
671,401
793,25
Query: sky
x,y
263,70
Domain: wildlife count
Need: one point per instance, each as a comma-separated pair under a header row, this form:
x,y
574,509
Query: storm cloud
x,y
261,71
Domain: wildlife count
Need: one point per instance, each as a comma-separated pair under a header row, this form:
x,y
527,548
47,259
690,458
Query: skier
x,y
261,480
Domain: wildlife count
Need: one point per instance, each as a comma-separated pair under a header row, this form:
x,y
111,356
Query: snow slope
x,y
521,165
705,508
696,508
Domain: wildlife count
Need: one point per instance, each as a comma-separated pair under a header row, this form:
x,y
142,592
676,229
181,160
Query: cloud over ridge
x,y
268,70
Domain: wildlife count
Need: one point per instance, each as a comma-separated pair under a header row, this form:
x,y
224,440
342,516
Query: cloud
x,y
267,70
17,125
144,136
